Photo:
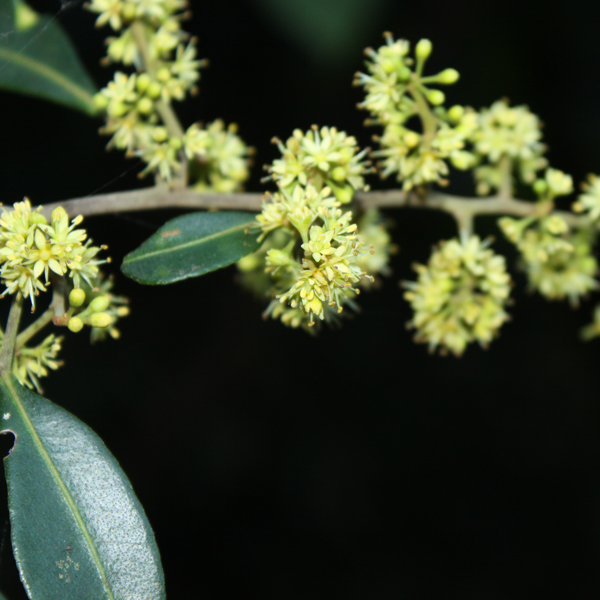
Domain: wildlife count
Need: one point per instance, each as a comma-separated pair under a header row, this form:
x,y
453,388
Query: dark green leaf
x,y
78,530
191,245
3,597
37,58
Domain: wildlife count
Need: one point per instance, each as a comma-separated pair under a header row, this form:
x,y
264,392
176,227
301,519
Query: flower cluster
x,y
36,252
97,307
504,131
589,201
321,157
137,105
30,248
313,261
324,277
460,296
220,157
30,364
559,263
396,92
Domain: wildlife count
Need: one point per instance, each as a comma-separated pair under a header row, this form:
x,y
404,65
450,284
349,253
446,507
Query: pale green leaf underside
x,y
192,245
41,61
78,530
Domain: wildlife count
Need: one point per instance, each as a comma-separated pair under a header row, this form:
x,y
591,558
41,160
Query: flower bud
x,y
436,97
540,186
76,297
100,319
100,101
142,82
403,73
339,174
278,257
411,139
456,113
448,76
160,134
128,11
145,106
423,49
153,90
117,109
163,75
98,304
75,324
175,143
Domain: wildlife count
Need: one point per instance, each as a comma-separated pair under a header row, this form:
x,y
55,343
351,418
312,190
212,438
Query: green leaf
x,y
3,597
78,530
192,245
38,59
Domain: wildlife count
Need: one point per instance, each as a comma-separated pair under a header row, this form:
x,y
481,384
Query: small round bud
x,y
99,303
344,194
339,174
448,76
423,49
117,109
128,11
160,134
387,65
145,106
153,90
436,97
100,319
142,82
75,324
100,101
175,143
76,297
38,218
456,113
163,74
540,186
278,257
411,139
403,73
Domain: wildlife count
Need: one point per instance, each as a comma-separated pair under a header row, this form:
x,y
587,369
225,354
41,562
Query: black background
x,y
353,465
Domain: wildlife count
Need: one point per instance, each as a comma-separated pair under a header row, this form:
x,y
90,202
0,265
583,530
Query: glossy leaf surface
x,y
78,530
37,58
192,245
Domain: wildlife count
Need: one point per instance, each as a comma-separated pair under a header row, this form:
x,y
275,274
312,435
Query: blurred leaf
x,y
3,597
78,530
327,30
191,245
38,59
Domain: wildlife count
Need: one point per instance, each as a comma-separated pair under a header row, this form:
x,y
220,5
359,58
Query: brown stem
x,y
163,197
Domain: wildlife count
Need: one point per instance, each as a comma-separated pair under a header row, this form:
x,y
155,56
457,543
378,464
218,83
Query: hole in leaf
x,y
7,443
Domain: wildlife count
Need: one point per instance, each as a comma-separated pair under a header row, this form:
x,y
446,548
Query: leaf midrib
x,y
194,242
50,74
61,484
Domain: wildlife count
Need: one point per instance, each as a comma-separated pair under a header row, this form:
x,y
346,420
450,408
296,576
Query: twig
x,y
162,197
10,337
37,325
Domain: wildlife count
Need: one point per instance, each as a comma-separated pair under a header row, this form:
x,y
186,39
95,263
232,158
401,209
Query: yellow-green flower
x,y
459,296
321,157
